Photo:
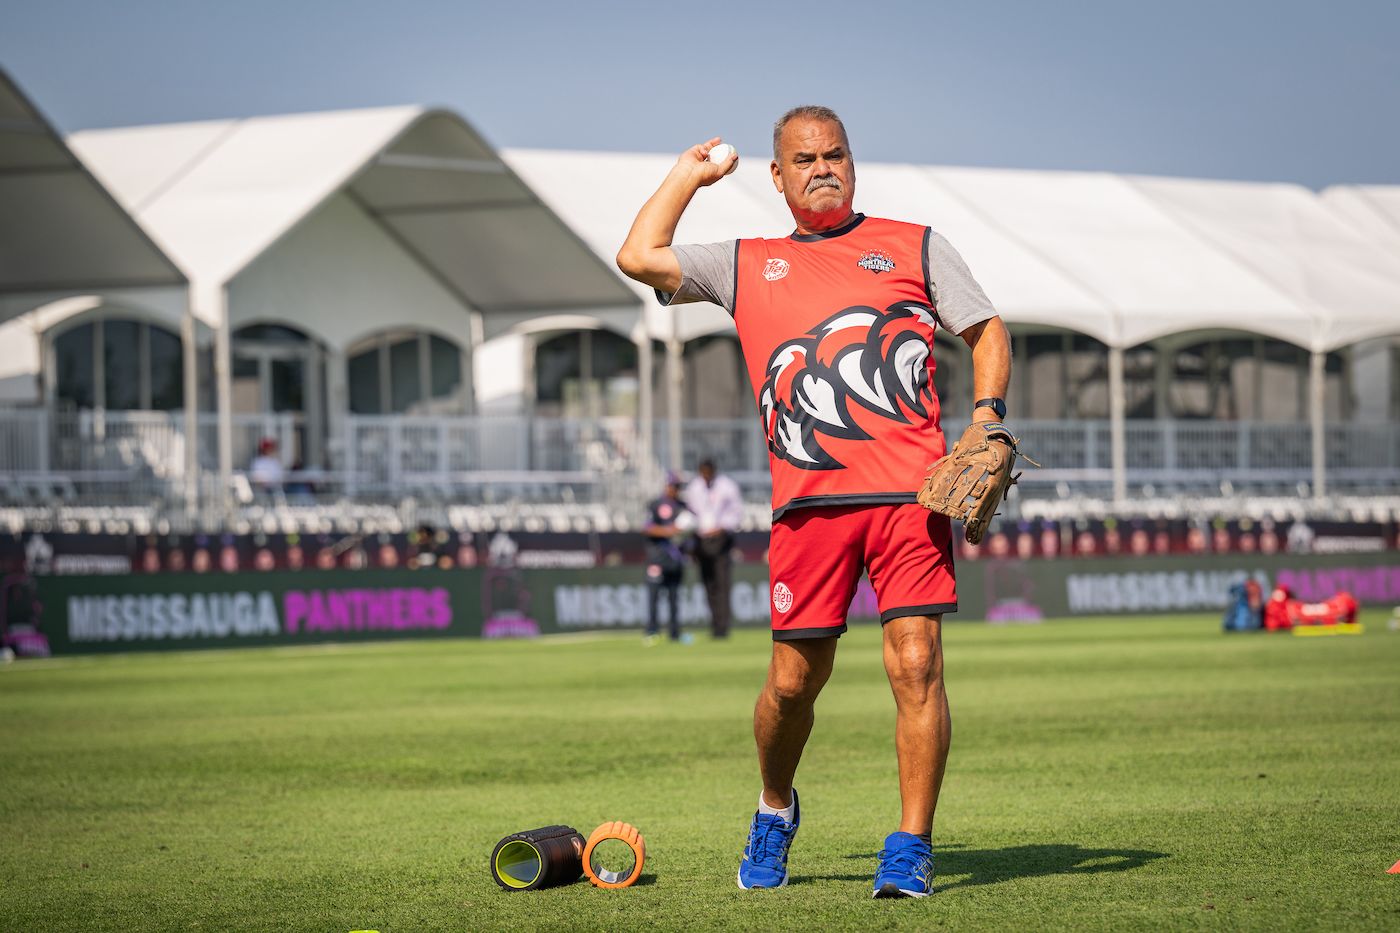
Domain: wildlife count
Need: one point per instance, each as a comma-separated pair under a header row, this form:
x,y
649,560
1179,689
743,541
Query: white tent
x,y
489,243
61,233
1372,209
328,207
1124,259
1343,277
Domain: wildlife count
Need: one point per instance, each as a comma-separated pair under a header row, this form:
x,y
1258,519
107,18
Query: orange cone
x,y
1394,869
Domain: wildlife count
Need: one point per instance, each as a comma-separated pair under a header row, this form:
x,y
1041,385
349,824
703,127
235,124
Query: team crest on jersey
x,y
859,360
782,597
775,269
877,261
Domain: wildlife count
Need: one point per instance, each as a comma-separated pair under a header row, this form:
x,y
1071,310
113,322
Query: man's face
x,y
707,473
814,172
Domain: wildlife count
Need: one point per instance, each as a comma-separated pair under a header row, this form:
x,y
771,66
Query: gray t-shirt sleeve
x,y
707,274
958,299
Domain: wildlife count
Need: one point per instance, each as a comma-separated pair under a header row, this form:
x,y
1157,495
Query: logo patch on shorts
x,y
877,261
775,269
782,597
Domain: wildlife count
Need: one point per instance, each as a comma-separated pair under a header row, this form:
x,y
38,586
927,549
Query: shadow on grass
x,y
993,866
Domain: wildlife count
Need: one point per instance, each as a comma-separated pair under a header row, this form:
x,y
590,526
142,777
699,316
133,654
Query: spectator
x,y
265,472
718,508
667,522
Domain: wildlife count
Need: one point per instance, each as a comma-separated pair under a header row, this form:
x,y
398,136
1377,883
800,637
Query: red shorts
x,y
817,554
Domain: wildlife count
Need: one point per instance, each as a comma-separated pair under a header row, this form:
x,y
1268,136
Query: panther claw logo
x,y
859,359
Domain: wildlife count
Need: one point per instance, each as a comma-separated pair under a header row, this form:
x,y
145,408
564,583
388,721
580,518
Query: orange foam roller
x,y
625,833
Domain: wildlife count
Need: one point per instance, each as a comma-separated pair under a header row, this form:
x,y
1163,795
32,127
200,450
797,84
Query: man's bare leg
x,y
923,727
782,718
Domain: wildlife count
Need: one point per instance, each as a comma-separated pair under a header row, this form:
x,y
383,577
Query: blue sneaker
x,y
764,864
906,867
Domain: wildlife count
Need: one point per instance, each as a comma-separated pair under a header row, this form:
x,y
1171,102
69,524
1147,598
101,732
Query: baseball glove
x,y
969,483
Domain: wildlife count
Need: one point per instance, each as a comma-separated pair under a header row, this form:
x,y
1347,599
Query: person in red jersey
x,y
837,323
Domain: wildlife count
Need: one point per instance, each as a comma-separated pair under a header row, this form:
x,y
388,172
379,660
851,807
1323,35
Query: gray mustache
x,y
823,181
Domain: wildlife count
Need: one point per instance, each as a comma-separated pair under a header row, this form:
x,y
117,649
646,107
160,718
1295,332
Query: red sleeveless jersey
x,y
837,333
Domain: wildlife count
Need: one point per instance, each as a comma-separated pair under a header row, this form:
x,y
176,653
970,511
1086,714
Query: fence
x,y
139,457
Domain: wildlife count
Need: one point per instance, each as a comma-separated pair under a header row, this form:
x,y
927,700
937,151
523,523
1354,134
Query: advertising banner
x,y
179,611
502,599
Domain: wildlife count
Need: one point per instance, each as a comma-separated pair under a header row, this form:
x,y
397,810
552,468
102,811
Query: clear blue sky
x,y
1279,90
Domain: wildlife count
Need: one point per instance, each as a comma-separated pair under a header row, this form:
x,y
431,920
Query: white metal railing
x,y
140,455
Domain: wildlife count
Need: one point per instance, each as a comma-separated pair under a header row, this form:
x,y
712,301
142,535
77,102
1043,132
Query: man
x,y
718,509
667,520
265,472
836,323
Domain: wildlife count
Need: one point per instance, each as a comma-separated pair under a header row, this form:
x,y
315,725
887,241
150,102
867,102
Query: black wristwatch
x,y
997,405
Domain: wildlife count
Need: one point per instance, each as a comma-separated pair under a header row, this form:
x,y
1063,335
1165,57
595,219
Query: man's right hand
x,y
646,255
697,159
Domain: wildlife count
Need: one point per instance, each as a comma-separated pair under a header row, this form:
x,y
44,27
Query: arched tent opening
x,y
714,399
114,393
585,373
406,371
114,359
278,392
715,379
1228,375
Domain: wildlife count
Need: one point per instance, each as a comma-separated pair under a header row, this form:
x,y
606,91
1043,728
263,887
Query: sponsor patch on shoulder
x,y
775,269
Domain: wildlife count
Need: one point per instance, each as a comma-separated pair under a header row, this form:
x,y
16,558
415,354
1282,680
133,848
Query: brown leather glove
x,y
969,483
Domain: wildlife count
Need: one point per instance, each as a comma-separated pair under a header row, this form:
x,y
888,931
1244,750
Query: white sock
x,y
786,812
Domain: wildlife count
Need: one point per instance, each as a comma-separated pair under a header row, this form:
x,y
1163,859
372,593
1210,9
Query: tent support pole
x,y
646,416
190,358
675,381
223,374
1117,441
1317,374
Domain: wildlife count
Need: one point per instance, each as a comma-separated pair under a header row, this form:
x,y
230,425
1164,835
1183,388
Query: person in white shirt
x,y
718,509
266,472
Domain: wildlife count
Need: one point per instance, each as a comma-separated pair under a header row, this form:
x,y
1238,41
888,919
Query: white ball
x,y
721,152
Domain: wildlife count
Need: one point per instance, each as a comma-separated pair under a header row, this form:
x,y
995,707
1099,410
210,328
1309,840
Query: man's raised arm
x,y
646,254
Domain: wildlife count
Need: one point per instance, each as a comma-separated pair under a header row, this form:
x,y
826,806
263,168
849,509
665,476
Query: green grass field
x,y
1105,774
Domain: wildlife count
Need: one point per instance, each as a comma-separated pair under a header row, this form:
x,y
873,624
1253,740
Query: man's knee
x,y
794,689
914,662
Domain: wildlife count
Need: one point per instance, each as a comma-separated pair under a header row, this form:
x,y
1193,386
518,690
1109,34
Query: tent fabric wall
x,y
1344,278
1124,259
1372,209
61,232
219,195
